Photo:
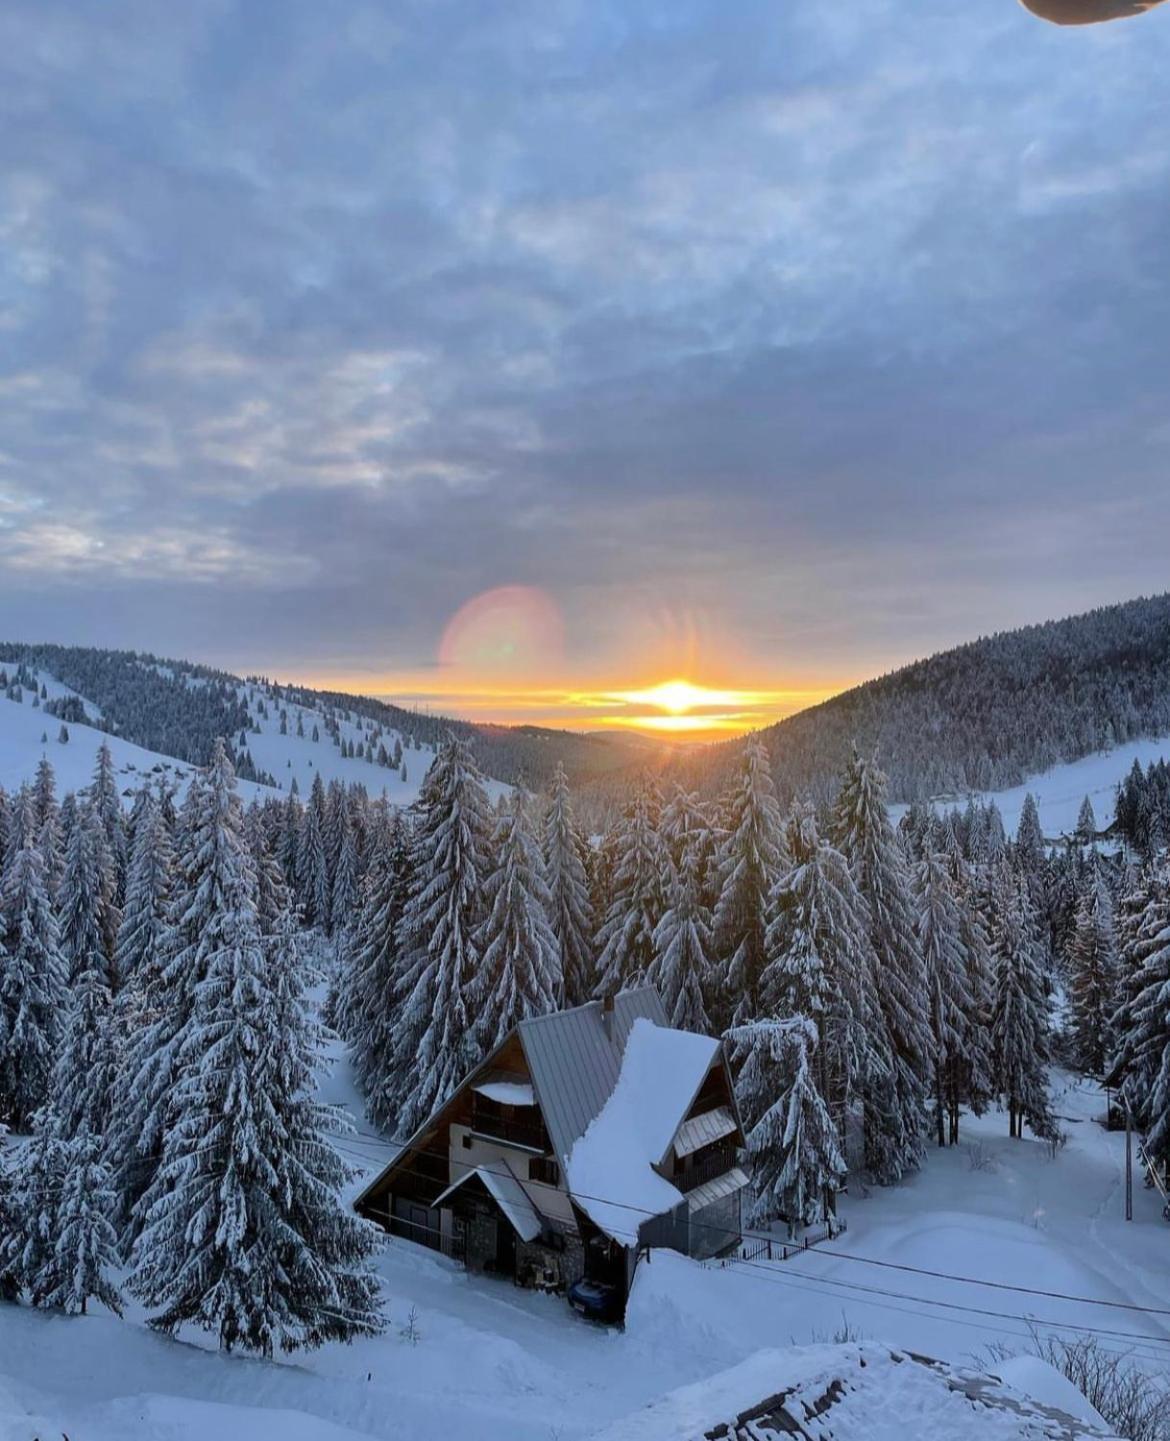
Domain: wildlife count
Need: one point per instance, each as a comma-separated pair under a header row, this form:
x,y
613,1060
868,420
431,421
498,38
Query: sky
x,y
514,358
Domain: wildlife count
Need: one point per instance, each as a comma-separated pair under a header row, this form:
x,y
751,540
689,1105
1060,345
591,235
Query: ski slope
x,y
489,1362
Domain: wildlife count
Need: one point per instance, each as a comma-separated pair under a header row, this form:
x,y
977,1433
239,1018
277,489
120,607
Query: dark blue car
x,y
596,1299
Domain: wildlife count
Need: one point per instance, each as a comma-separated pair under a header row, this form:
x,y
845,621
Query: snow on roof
x,y
507,1093
611,1172
853,1393
508,1194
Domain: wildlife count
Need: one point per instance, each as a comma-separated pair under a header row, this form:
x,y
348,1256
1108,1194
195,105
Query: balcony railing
x,y
704,1167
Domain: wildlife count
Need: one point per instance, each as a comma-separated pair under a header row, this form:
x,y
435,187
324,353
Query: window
x,y
466,1141
548,1173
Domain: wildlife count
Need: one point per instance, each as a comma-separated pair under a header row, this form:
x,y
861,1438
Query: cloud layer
x,y
785,339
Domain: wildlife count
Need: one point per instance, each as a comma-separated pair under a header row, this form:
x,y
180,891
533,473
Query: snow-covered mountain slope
x,y
27,733
1060,791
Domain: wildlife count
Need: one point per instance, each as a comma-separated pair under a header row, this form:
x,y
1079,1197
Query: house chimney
x,y
607,1015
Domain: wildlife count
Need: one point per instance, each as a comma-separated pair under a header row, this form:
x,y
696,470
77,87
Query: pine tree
x,y
793,1143
1086,831
1020,1025
625,941
682,942
312,870
48,823
32,984
107,806
242,1230
863,833
85,1244
345,876
85,894
570,908
821,965
750,860
273,897
436,1044
1141,1024
951,1002
519,972
28,1249
367,1003
1092,967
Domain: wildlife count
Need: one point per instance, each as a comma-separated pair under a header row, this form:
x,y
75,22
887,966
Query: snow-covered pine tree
x,y
520,965
686,826
863,833
820,962
435,1041
273,897
952,1007
367,1002
749,863
1092,972
32,983
570,908
107,806
242,1229
48,822
28,1249
625,942
797,1162
85,896
682,943
1019,1022
312,870
1141,1024
1086,831
85,1246
345,874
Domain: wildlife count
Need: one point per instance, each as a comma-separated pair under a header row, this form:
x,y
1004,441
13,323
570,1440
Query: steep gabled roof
x,y
575,1058
505,1189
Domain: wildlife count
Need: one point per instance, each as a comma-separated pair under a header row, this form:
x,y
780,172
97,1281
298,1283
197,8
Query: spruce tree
x,y
85,896
797,1161
436,1042
863,833
28,1249
519,971
1092,969
312,870
1141,1065
952,1006
32,984
1019,1023
682,944
820,963
85,1248
750,860
242,1231
625,941
570,907
48,823
366,1008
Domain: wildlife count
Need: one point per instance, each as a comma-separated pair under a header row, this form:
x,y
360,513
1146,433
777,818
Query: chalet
x,y
587,1137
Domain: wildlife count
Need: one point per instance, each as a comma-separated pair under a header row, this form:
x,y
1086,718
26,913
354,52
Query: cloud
x,y
792,333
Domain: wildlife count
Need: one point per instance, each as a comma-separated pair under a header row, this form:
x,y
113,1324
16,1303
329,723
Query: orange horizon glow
x,y
675,710
502,659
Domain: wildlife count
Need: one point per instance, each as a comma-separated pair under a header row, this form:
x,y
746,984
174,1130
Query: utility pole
x,y
1128,1163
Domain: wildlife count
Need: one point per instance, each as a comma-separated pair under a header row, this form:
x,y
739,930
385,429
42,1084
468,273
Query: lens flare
x,y
512,629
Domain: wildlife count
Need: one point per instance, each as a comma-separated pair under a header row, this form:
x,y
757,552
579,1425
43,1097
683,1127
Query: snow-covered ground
x,y
27,734
490,1362
1060,791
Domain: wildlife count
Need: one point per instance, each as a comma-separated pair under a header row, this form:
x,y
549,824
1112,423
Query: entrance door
x,y
505,1249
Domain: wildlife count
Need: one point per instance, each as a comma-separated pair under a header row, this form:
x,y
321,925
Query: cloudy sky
x,y
534,346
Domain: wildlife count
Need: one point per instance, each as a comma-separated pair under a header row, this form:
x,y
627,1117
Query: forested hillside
x,y
180,709
983,716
